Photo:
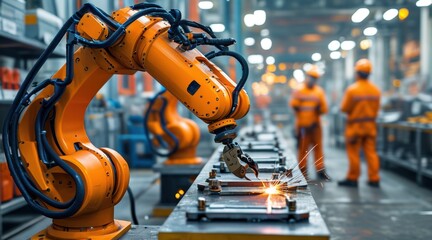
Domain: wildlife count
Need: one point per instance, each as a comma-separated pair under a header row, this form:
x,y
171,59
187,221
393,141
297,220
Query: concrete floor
x,y
400,209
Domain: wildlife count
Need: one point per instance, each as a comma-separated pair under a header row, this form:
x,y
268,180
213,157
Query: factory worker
x,y
309,104
361,104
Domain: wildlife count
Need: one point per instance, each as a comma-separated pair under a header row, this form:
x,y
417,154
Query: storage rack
x,y
21,49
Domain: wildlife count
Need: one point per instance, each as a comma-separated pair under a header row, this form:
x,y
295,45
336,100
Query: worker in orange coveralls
x,y
361,104
309,104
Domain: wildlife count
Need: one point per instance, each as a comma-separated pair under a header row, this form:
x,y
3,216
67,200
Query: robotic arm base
x,y
113,230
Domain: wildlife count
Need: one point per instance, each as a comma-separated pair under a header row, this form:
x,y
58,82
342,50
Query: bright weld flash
x,y
271,190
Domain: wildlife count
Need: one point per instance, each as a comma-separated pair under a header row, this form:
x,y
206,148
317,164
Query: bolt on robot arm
x,y
60,173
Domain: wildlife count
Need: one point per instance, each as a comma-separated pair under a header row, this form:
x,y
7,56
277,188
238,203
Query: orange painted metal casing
x,y
144,47
185,130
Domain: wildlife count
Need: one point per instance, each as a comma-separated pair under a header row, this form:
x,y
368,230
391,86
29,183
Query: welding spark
x,y
272,190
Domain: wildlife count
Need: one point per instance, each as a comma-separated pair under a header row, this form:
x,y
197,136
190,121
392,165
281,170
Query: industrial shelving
x,y
21,49
414,163
387,148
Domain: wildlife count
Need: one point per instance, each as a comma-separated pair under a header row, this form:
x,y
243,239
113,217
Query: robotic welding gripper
x,y
60,173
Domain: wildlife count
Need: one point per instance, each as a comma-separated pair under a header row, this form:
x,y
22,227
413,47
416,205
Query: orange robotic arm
x,y
60,173
182,135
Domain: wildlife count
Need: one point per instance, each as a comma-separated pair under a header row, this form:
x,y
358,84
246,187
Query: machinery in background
x,y
134,145
179,135
59,172
176,138
407,122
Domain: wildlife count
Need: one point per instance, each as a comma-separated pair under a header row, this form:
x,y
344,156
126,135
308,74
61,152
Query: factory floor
x,y
400,209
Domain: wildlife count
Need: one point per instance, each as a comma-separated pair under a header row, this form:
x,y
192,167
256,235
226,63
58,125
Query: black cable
x,y
10,126
144,6
132,206
243,79
46,153
10,140
163,124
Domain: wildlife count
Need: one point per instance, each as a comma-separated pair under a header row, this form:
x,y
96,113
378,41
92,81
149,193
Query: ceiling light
x,y
403,13
360,15
249,41
423,3
265,32
255,59
266,43
365,44
217,27
311,37
334,45
249,20
390,14
260,66
270,60
322,28
299,75
335,55
307,67
205,4
282,66
316,57
347,45
370,31
260,17
271,68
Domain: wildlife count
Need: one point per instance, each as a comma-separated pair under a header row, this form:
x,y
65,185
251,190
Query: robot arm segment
x,y
180,135
155,122
56,167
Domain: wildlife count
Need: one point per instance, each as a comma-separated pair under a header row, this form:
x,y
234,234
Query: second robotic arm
x,y
182,135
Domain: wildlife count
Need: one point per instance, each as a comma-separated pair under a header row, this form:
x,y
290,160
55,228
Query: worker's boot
x,y
322,175
348,183
375,184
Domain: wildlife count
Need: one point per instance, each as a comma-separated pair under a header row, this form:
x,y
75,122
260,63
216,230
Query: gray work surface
x,y
140,232
178,227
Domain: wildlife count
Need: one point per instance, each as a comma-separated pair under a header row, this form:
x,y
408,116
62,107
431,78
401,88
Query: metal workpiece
x,y
267,156
239,187
264,208
252,145
247,213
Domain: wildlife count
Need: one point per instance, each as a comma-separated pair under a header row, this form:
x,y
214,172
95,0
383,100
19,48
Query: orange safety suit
x,y
309,104
361,104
